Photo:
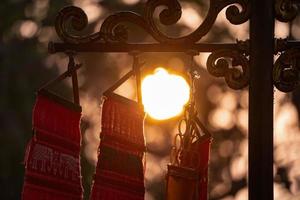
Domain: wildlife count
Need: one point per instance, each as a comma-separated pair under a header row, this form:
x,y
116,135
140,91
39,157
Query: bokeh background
x,y
26,27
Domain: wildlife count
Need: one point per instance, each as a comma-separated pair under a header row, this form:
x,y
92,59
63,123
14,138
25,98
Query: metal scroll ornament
x,y
286,10
232,65
286,72
72,19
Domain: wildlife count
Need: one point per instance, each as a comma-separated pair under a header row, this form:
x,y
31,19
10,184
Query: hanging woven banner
x,y
188,178
203,147
120,170
52,163
52,156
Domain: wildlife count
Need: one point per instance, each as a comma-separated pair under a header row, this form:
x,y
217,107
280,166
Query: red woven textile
x,y
52,167
203,147
120,171
189,180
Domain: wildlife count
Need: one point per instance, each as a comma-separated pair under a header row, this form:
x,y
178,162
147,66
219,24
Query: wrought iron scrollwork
x,y
234,15
286,72
286,10
71,19
232,65
172,14
113,29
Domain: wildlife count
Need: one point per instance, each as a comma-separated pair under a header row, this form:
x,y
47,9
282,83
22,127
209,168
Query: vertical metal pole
x,y
137,71
261,100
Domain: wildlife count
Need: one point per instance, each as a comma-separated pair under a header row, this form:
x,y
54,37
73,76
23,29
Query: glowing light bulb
x,y
164,95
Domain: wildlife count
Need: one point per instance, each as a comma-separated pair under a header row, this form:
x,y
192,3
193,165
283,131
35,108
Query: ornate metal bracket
x,y
286,72
286,10
113,35
219,62
113,29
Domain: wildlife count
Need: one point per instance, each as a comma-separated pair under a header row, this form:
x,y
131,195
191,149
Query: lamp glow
x,y
164,95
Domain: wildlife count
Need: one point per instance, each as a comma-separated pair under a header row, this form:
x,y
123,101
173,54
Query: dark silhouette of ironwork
x,y
241,64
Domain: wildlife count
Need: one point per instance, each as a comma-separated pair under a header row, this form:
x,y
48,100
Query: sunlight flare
x,y
164,95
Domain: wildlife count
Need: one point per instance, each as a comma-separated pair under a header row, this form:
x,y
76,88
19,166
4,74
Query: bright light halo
x,y
164,95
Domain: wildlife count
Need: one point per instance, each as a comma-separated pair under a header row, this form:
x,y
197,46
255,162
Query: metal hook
x,y
134,71
136,68
192,130
72,71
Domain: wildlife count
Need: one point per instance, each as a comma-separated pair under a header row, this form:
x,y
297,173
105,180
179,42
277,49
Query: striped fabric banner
x,y
120,171
52,165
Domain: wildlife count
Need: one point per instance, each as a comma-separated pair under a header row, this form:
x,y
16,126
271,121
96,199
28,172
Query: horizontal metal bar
x,y
293,44
110,47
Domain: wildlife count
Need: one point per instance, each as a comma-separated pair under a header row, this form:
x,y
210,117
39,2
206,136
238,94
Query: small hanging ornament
x,y
188,172
120,168
52,164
